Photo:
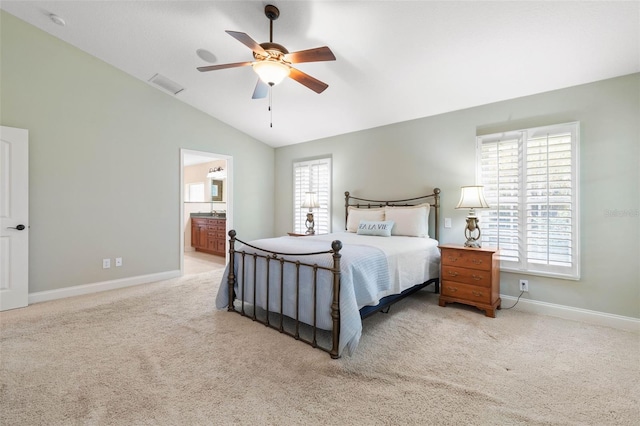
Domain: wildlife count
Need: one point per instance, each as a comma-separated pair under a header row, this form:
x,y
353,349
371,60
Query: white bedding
x,y
371,268
411,260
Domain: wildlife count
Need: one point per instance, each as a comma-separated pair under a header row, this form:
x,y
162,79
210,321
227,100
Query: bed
x,y
319,288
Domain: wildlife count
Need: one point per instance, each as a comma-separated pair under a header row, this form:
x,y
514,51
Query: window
x,y
312,176
195,191
530,180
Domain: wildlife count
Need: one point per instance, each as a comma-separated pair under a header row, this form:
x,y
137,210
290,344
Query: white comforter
x,y
411,260
371,268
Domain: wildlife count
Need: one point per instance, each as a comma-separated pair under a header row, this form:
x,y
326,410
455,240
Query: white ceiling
x,y
396,60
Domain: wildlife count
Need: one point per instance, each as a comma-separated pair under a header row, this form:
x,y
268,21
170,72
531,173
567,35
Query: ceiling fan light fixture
x,y
271,72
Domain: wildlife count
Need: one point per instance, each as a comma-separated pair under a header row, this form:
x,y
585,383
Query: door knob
x,y
19,227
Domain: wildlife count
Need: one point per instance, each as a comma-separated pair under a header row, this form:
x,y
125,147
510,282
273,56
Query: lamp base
x,y
472,243
470,232
309,224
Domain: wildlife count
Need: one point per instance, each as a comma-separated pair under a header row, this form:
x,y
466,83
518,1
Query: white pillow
x,y
356,215
378,229
412,221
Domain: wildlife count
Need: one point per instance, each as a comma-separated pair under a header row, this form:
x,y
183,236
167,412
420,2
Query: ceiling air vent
x,y
166,84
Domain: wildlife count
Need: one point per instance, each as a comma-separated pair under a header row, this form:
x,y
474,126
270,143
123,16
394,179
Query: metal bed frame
x,y
279,260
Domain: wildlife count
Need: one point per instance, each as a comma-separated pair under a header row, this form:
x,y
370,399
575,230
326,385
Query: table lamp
x,y
310,202
472,197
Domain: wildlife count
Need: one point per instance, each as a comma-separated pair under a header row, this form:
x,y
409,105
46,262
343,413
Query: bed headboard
x,y
433,200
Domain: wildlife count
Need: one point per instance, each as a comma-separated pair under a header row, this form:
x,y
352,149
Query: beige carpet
x,y
161,354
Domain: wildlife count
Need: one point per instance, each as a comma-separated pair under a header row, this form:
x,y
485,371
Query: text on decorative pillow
x,y
377,228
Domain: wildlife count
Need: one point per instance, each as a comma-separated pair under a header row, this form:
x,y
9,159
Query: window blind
x,y
531,183
312,176
500,165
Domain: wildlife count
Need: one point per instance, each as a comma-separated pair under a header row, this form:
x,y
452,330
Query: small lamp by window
x,y
472,197
310,202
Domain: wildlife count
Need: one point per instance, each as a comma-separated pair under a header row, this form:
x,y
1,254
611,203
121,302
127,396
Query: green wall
x,y
104,162
410,158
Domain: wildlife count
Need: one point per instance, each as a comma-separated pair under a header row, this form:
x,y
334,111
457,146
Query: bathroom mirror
x,y
216,190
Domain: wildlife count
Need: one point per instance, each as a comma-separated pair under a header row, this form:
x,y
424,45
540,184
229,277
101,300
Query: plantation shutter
x,y
312,176
549,199
500,165
531,185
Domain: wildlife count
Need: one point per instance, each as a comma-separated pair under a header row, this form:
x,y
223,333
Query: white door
x,y
14,218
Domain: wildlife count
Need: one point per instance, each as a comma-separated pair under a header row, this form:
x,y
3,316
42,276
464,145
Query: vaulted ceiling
x,y
395,60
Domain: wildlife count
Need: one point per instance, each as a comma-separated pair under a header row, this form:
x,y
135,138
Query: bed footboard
x,y
278,260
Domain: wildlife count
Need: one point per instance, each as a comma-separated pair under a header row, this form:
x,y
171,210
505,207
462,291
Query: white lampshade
x,y
271,72
472,197
310,201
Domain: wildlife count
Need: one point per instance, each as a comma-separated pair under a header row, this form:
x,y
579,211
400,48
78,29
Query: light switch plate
x,y
447,222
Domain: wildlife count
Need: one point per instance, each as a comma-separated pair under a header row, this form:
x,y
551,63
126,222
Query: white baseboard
x,y
571,313
77,290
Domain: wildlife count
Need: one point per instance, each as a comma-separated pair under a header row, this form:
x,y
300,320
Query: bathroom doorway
x,y
206,182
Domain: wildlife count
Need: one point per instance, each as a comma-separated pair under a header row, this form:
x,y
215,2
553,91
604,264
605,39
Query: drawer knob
x,y
453,273
476,277
452,289
476,293
476,261
452,258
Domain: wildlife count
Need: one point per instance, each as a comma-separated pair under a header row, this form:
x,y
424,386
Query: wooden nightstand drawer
x,y
467,259
466,292
475,277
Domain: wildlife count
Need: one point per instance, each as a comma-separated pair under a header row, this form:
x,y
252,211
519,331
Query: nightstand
x,y
470,276
293,234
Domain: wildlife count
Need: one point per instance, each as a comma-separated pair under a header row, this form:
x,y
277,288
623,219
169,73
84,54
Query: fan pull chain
x,y
270,103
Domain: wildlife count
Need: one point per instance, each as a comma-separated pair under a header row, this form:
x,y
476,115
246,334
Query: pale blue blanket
x,y
364,278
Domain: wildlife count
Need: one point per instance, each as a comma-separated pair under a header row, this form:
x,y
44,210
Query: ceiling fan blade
x,y
261,90
248,41
306,80
311,55
223,66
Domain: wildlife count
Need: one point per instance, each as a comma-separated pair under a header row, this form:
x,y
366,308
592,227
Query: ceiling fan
x,y
273,61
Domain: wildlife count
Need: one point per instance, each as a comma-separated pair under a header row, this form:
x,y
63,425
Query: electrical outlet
x,y
524,285
106,263
118,261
